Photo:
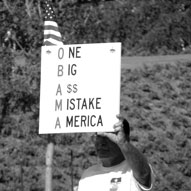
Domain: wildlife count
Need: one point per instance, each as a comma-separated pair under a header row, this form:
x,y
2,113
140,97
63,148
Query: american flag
x,y
52,36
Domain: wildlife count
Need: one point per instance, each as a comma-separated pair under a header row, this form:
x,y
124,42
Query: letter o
x,y
61,53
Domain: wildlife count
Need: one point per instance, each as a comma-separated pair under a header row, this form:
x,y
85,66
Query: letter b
x,y
60,70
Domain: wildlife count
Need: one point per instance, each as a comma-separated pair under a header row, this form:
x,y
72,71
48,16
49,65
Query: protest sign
x,y
80,88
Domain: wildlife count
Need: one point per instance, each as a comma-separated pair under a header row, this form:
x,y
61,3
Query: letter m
x,y
58,105
69,122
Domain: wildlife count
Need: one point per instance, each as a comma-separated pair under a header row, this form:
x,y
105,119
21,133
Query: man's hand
x,y
119,136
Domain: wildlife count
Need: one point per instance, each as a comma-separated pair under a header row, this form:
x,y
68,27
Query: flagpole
x,y
71,164
49,159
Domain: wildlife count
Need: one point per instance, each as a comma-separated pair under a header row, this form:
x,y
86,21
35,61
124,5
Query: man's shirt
x,y
115,178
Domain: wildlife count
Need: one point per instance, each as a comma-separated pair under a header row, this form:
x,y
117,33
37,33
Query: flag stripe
x,y
47,36
52,23
49,27
53,41
48,43
46,32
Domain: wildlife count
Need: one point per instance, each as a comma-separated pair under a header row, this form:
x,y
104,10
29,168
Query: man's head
x,y
108,151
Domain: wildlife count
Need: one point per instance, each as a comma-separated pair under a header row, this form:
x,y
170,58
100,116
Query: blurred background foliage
x,y
143,26
156,100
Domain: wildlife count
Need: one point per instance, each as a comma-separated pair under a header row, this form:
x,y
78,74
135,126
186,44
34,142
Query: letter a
x,y
100,121
59,90
57,123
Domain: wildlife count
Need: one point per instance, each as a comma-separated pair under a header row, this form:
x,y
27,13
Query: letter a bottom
x,y
57,123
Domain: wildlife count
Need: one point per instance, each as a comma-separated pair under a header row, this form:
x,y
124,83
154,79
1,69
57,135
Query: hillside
x,y
157,102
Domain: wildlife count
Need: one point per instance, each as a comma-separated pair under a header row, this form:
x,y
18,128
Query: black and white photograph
x,y
95,95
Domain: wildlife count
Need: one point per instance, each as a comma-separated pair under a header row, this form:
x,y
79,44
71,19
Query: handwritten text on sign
x,y
80,88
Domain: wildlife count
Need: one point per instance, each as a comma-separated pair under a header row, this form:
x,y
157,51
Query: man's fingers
x,y
118,124
101,134
110,136
120,117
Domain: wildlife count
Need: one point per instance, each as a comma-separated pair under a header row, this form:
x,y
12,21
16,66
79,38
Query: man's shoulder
x,y
92,170
95,167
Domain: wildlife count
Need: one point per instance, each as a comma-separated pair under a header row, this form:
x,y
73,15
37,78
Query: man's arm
x,y
138,163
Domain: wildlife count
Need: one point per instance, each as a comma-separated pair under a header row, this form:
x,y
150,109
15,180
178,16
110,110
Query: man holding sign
x,y
73,99
122,166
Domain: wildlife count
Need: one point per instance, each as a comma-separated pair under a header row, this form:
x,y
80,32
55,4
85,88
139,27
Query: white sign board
x,y
80,88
